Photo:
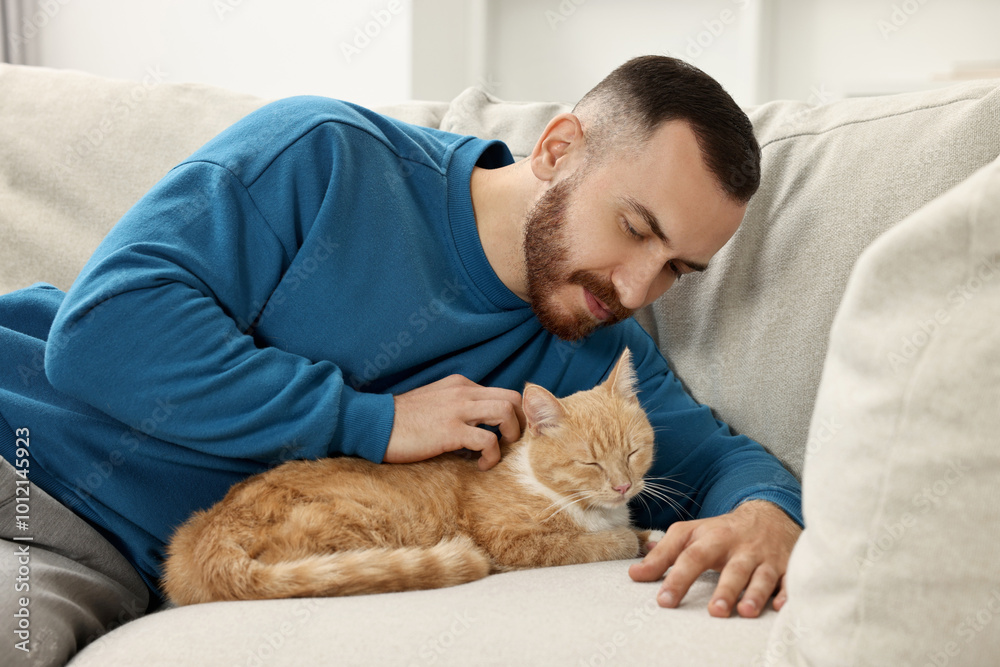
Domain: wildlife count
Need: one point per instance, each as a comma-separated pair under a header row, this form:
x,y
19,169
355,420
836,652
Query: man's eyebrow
x,y
654,224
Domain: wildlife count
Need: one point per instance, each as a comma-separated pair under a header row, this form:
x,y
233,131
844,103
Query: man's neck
x,y
501,199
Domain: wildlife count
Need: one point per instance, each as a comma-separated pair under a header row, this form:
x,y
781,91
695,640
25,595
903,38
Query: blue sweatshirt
x,y
265,300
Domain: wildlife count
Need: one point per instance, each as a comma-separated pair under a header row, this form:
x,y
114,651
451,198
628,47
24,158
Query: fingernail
x,y
666,599
720,605
751,604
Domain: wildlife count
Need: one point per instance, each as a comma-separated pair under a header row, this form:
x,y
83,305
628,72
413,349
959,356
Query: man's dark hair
x,y
631,103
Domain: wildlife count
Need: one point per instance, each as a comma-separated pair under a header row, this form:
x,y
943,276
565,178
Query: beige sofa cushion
x,y
749,336
899,560
589,615
518,124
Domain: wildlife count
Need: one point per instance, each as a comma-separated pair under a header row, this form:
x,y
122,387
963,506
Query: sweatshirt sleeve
x,y
700,467
163,313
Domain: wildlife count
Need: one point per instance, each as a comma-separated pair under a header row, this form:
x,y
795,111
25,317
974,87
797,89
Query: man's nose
x,y
636,280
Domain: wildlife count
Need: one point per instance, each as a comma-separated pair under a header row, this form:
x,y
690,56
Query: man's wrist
x,y
789,503
752,506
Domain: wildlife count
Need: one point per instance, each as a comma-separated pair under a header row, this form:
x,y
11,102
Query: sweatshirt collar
x,y
489,155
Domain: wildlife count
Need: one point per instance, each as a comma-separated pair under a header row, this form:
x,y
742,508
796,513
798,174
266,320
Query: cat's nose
x,y
622,488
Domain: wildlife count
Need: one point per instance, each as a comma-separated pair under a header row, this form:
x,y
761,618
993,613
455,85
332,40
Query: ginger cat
x,y
345,526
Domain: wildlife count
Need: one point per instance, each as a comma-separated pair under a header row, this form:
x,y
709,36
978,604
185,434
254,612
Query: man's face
x,y
605,241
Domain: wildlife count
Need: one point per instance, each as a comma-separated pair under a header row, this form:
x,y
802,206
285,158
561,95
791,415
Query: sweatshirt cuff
x,y
790,503
363,425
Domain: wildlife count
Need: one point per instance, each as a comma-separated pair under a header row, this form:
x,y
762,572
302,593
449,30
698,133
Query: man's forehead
x,y
669,189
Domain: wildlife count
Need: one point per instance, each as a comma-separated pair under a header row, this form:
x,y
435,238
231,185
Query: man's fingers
x,y
782,597
761,587
486,444
514,398
510,427
496,407
690,564
734,578
663,555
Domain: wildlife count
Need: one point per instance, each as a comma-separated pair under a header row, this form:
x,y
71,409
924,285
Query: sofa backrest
x,y
77,150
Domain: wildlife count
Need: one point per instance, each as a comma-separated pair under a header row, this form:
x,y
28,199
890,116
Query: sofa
x,y
850,326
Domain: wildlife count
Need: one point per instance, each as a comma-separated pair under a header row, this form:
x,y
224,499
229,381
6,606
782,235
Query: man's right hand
x,y
443,416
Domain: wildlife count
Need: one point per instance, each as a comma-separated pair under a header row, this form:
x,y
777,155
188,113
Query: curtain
x,y
16,32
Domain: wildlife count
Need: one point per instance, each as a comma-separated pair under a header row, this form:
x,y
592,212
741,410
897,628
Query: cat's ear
x,y
622,379
542,410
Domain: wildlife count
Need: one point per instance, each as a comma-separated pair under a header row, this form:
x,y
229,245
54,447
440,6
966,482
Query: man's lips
x,y
597,308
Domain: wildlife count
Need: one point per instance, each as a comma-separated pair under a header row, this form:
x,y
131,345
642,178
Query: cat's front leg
x,y
614,544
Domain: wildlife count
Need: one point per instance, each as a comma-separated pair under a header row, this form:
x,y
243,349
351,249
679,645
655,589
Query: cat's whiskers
x,y
673,492
566,506
668,478
564,497
679,509
667,488
645,504
663,493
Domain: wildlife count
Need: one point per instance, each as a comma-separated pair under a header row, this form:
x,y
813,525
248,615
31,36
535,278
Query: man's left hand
x,y
750,546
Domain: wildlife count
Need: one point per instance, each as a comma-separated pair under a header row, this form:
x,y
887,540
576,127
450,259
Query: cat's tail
x,y
378,570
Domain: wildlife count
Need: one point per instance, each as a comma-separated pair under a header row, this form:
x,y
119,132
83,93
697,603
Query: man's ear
x,y
542,410
561,139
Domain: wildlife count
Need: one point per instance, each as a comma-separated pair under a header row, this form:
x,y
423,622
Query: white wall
x,y
263,47
860,47
815,50
568,47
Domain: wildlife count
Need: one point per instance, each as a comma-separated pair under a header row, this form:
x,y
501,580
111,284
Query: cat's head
x,y
595,445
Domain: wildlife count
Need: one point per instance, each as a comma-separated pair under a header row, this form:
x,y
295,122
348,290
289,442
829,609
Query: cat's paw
x,y
645,543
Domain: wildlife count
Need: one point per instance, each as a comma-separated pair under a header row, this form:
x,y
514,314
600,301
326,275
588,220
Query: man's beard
x,y
547,269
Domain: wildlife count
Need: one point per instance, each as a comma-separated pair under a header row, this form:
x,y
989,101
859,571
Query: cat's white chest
x,y
592,519
600,518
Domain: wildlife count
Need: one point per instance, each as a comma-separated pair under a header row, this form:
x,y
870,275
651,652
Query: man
x,y
319,280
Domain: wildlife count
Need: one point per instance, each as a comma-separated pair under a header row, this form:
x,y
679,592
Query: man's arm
x,y
162,314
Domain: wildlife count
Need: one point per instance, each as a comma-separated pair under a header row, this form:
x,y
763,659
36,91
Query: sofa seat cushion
x,y
580,615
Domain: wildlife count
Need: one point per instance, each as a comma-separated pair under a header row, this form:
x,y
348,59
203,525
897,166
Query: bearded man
x,y
319,280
